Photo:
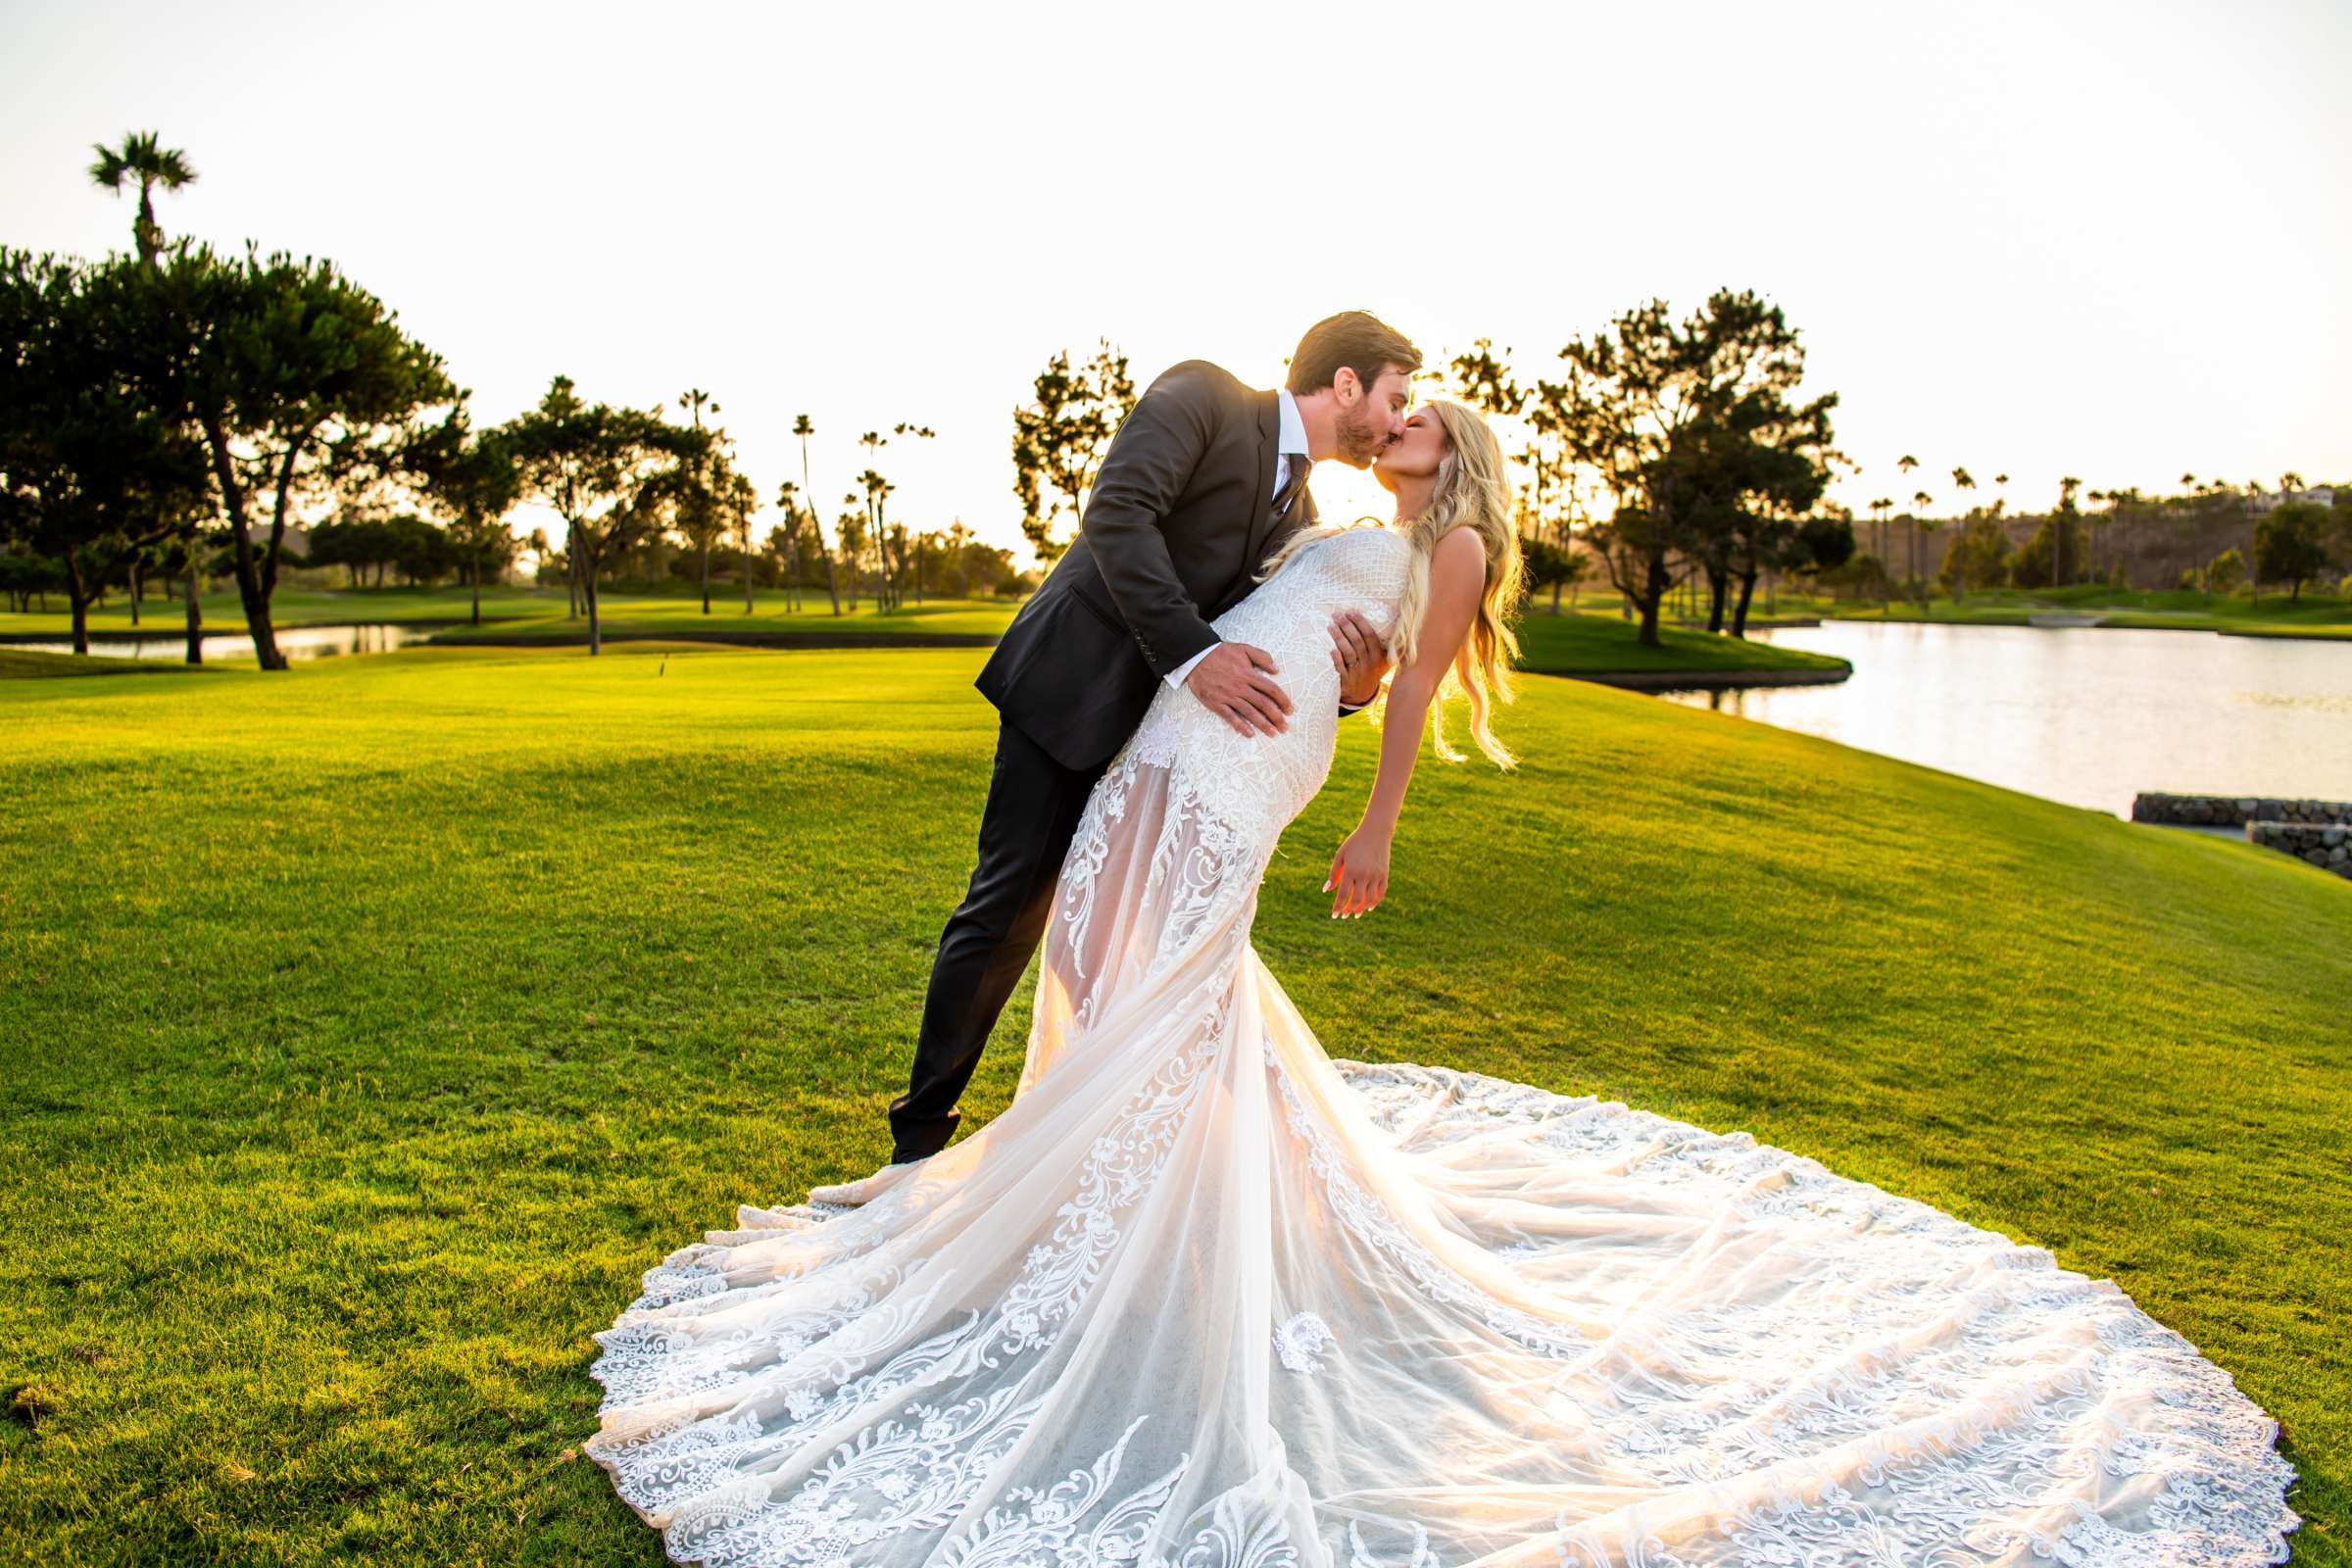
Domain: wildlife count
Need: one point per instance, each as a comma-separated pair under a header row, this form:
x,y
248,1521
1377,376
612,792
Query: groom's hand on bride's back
x,y
1235,681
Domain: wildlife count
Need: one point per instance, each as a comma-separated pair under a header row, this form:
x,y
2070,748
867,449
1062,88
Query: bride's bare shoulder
x,y
1459,556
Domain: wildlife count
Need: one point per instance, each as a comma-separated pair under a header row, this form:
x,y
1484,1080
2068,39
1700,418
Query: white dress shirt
x,y
1289,436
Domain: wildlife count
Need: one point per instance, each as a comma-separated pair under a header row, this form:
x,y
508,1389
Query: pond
x,y
295,642
2088,715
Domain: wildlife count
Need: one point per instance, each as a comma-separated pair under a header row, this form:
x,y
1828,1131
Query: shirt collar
x,y
1292,434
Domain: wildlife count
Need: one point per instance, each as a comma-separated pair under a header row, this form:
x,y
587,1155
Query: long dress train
x,y
1203,1297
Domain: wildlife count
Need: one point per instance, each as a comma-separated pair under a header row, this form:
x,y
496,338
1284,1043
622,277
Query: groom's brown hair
x,y
1356,339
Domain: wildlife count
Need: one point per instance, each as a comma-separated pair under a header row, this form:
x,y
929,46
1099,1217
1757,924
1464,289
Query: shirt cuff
x,y
1175,677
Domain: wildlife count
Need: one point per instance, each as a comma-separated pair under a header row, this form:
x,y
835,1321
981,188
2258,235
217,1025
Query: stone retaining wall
x,y
2316,831
2323,847
2229,810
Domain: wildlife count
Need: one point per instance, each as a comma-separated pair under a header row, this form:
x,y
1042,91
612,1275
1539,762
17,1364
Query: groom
x,y
1201,484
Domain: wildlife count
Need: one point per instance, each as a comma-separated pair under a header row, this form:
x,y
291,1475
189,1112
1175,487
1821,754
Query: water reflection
x,y
295,642
2089,716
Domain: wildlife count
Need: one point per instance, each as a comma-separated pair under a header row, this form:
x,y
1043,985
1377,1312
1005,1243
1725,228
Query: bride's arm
x,y
1457,579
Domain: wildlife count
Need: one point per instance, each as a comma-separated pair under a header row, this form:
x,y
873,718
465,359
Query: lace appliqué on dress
x,y
1299,1342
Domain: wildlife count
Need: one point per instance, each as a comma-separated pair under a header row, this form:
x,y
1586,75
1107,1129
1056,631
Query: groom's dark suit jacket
x,y
1180,516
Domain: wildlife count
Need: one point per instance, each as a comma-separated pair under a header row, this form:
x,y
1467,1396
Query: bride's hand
x,y
1359,872
1359,656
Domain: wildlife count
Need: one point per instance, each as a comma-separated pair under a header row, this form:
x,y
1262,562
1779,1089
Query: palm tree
x,y
1907,462
743,500
143,159
2065,503
2116,500
874,487
849,526
1881,508
898,535
912,546
1919,504
878,491
1963,480
803,429
695,400
788,500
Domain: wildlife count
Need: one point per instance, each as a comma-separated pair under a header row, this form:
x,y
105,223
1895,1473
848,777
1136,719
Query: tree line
x,y
178,411
2213,538
1667,451
182,409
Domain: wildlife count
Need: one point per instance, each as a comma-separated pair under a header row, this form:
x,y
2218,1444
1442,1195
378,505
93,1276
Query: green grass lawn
x,y
2273,615
373,1025
1584,644
24,663
2329,632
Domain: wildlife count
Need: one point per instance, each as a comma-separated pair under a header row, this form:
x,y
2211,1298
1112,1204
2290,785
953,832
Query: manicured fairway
x,y
536,612
370,1026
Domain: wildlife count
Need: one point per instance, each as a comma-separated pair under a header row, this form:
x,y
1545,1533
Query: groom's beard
x,y
1361,437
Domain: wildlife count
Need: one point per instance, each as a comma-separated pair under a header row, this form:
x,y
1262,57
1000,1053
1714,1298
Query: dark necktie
x,y
1294,481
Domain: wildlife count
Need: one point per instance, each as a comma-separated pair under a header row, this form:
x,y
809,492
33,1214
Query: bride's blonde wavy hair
x,y
1470,493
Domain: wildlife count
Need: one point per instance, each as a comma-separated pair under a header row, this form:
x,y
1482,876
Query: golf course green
x,y
372,1024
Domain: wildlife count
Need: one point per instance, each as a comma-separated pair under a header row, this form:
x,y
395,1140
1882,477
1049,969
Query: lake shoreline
x,y
1713,681
179,632
2108,620
730,639
2284,636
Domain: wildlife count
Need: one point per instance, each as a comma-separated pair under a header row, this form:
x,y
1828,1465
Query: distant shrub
x,y
2225,572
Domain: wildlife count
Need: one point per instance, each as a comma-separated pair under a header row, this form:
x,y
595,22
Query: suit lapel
x,y
1261,516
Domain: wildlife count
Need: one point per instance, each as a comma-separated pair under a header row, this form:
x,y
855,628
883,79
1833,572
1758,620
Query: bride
x,y
1203,1297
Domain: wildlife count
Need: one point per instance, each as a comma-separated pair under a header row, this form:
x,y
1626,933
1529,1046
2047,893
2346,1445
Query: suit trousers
x,y
1034,804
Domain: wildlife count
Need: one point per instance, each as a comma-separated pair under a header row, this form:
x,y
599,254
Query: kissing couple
x,y
1203,1297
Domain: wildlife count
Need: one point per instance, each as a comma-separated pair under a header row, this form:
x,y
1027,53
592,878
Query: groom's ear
x,y
1347,386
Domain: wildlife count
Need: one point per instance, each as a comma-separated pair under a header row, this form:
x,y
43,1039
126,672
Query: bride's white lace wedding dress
x,y
1203,1297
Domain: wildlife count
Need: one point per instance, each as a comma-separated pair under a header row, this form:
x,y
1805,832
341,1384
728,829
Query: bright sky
x,y
2110,240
